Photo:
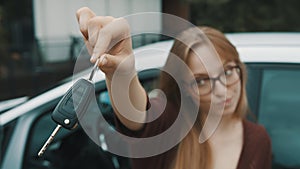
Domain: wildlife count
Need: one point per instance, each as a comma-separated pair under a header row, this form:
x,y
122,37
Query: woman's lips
x,y
226,102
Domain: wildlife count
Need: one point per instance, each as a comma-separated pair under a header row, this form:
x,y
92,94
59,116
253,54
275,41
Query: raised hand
x,y
108,39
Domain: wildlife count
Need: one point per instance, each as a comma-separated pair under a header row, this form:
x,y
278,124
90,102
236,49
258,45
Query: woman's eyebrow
x,y
228,63
200,75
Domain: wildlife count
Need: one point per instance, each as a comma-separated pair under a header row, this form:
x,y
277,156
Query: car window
x,y
70,149
5,135
74,149
279,112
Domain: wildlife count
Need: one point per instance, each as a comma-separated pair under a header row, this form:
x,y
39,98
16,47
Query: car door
x,y
273,92
75,149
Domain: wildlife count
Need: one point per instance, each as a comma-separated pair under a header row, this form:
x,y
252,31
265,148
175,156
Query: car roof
x,y
262,38
267,47
252,47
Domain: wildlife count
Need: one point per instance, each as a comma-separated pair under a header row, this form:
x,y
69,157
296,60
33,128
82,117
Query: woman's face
x,y
216,92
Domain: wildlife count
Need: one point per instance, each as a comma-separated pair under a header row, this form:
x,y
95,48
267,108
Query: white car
x,y
273,64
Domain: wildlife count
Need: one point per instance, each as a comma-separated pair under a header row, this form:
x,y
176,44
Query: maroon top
x,y
256,151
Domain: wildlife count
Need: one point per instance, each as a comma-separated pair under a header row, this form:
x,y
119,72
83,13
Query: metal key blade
x,y
94,69
50,139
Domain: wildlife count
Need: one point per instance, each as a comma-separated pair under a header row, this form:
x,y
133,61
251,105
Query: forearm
x,y
132,112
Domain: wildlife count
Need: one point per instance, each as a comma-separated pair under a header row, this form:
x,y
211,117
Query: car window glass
x,y
69,150
279,112
1,142
6,132
75,150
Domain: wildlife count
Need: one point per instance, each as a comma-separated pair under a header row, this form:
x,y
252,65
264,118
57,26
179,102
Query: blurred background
x,y
40,39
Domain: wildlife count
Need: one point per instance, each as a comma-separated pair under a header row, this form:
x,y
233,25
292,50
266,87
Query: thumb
x,y
107,61
109,64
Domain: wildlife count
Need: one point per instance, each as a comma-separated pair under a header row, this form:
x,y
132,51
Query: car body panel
x,y
11,103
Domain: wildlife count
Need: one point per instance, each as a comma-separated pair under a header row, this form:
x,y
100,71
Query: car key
x,y
76,100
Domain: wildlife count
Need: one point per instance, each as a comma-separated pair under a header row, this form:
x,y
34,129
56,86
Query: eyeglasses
x,y
206,85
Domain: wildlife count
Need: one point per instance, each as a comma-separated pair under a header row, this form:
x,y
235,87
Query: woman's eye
x,y
201,82
228,72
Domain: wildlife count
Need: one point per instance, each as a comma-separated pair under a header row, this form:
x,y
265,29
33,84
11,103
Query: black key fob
x,y
74,104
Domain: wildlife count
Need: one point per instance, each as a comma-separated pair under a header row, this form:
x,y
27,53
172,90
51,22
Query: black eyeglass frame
x,y
219,79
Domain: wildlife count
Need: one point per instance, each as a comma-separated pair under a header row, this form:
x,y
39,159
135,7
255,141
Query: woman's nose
x,y
219,89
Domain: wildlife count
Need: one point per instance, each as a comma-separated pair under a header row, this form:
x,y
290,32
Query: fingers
x,y
83,16
120,65
107,37
88,46
111,35
107,62
95,24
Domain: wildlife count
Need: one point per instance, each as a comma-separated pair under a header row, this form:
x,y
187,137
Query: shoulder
x,y
255,130
257,151
256,136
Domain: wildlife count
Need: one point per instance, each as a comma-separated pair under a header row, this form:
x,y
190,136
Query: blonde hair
x,y
190,153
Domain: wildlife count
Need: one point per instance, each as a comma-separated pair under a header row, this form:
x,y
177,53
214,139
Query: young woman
x,y
234,143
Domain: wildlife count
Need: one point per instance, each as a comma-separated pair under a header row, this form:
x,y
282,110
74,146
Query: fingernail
x,y
93,58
